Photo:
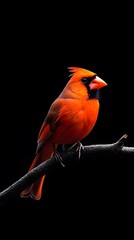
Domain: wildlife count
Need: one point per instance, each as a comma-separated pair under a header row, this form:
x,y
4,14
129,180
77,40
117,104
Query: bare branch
x,y
116,149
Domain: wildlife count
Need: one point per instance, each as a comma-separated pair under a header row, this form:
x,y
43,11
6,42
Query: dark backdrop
x,y
34,61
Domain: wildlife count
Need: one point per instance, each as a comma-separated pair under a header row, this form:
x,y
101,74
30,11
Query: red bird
x,y
70,118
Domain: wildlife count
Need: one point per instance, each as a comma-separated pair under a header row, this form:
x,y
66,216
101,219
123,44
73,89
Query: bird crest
x,y
80,71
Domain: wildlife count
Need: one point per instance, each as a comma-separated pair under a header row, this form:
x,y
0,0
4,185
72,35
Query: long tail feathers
x,y
35,190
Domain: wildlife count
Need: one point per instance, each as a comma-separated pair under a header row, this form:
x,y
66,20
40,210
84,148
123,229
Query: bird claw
x,y
59,158
79,148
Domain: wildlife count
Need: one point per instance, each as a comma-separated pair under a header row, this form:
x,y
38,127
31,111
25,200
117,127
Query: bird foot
x,y
78,145
79,149
59,158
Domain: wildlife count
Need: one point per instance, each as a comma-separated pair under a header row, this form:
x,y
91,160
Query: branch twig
x,y
116,149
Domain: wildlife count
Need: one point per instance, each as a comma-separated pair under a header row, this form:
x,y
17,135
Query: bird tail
x,y
35,190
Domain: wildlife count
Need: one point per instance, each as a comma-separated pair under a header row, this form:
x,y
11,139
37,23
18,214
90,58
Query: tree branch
x,y
99,151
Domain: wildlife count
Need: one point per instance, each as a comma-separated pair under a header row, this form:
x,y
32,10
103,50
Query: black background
x,y
35,55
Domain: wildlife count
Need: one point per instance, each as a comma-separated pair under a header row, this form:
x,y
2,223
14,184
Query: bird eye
x,y
84,80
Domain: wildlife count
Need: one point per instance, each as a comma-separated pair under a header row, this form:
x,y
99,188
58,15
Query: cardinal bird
x,y
71,118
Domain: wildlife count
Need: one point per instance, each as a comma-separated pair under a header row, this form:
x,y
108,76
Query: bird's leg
x,y
79,148
59,158
67,147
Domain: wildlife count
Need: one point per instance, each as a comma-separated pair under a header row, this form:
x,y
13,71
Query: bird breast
x,y
76,120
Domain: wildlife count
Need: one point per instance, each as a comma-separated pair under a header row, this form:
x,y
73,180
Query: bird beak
x,y
97,83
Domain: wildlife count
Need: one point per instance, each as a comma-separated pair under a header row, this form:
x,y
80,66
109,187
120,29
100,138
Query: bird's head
x,y
84,83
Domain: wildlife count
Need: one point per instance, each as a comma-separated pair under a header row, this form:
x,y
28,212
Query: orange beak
x,y
97,83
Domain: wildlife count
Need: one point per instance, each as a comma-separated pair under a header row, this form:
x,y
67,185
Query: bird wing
x,y
49,124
